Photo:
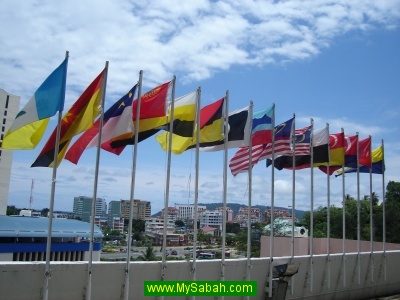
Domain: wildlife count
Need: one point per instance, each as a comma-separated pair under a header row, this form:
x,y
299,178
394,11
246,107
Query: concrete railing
x,y
319,277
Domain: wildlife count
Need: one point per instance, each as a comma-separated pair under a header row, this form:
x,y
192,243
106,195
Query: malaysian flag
x,y
282,135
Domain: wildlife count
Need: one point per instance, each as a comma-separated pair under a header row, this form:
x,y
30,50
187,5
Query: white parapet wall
x,y
319,277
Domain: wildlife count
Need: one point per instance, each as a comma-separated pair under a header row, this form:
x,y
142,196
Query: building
x,y
186,211
141,209
9,107
82,208
278,213
114,211
211,218
117,223
242,216
23,238
229,213
172,213
154,230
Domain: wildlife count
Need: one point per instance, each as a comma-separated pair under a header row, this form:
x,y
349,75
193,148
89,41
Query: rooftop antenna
x,y
31,197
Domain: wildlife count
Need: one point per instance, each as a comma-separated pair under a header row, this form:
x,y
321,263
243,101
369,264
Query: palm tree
x,y
149,255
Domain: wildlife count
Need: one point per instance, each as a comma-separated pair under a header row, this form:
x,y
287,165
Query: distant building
x,y
114,211
172,213
243,216
211,218
9,107
82,208
278,213
154,230
117,223
186,211
141,209
229,213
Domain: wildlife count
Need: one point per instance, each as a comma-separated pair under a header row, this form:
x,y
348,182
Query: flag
x,y
320,148
153,115
239,133
377,167
117,121
240,161
302,140
29,125
336,154
79,118
184,115
364,152
282,140
261,132
210,130
350,156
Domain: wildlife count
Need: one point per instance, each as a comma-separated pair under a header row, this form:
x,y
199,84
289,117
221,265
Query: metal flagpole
x,y
293,198
133,179
358,215
250,194
196,186
225,180
271,236
96,177
344,226
312,207
384,212
371,220
47,273
171,130
328,215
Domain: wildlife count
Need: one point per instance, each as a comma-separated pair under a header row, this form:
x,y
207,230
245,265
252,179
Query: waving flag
x,y
29,125
364,152
240,162
336,153
261,132
153,115
79,118
377,166
117,122
210,130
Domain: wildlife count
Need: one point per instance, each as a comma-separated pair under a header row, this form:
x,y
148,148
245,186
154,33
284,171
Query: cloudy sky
x,y
337,62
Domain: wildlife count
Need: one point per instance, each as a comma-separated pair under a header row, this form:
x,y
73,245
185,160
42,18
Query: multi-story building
x,y
229,213
82,208
9,107
154,230
242,216
117,223
114,211
211,218
172,213
141,209
278,213
186,211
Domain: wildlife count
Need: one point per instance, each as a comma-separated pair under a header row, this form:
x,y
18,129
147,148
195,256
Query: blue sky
x,y
337,62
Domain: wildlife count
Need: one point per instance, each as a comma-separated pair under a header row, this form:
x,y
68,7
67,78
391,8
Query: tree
x,y
232,227
148,255
179,223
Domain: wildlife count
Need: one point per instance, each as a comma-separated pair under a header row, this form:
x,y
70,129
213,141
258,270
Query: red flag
x,y
79,118
364,152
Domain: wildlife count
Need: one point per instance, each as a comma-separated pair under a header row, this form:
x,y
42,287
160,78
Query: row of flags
x,y
253,133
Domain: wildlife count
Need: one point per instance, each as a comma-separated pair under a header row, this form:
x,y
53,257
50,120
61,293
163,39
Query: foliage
x,y
148,255
392,217
179,223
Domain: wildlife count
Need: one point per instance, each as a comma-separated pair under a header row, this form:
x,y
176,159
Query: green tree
x,y
179,223
392,208
148,255
232,227
12,211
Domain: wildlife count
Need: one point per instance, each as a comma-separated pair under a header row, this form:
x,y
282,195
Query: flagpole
x,y
196,186
271,236
343,226
312,207
96,177
358,215
371,220
293,198
384,211
328,215
47,273
225,180
133,179
250,195
171,130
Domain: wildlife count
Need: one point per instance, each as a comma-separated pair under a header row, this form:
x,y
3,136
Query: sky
x,y
336,62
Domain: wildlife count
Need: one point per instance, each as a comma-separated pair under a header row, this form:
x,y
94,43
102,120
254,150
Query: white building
x,y
9,107
211,218
186,211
